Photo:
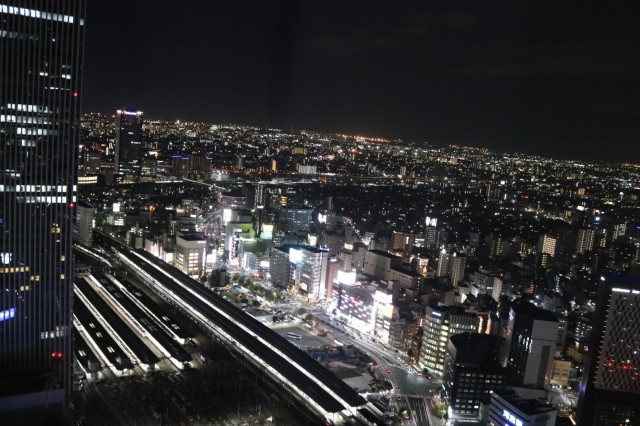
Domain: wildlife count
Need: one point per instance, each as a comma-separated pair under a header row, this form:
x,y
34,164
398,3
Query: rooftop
x,y
529,407
384,253
523,307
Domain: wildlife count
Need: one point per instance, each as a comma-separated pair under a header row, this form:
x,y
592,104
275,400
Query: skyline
x,y
378,139
510,78
174,271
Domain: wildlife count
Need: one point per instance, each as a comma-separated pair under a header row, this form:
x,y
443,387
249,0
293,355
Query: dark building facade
x,y
41,45
610,388
129,145
472,373
531,335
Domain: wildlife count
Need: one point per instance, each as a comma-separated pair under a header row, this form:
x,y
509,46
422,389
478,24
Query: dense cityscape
x,y
182,272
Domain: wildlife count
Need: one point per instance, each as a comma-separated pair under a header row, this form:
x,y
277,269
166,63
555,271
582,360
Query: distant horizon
x,y
509,77
390,140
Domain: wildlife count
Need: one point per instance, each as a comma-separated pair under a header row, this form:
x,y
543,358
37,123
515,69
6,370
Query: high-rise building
x,y
440,323
452,265
312,273
610,388
531,341
191,252
129,150
41,45
83,227
458,264
444,263
403,241
472,373
281,269
547,245
296,219
585,240
90,162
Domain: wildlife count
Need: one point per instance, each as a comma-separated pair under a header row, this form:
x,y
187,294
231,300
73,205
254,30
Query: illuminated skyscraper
x,y
129,145
610,388
41,45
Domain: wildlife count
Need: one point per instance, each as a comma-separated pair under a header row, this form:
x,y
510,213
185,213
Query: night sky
x,y
562,81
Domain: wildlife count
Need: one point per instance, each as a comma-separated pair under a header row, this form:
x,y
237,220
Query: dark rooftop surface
x,y
523,307
528,406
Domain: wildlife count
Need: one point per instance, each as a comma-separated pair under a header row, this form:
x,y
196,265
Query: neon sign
x,y
512,419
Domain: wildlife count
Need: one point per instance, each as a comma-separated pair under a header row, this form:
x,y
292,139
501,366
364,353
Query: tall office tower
x,y
431,237
296,219
458,264
41,45
83,227
610,388
472,373
531,341
585,240
129,145
440,323
451,265
444,263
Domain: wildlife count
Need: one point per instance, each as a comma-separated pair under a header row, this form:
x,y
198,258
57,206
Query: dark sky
x,y
559,80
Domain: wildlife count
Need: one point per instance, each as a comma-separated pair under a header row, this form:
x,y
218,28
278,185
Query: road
x,y
410,390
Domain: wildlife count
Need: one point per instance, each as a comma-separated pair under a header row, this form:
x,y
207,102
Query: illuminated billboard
x,y
347,277
267,232
5,258
295,255
431,221
7,314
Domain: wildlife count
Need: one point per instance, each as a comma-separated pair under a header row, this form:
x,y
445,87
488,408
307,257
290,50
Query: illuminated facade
x,y
509,409
440,323
610,388
191,252
41,45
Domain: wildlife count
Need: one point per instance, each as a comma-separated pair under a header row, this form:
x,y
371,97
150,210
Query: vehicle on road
x,y
294,336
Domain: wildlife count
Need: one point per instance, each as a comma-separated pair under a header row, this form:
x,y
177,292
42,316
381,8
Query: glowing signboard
x,y
267,232
7,314
511,418
347,277
295,255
